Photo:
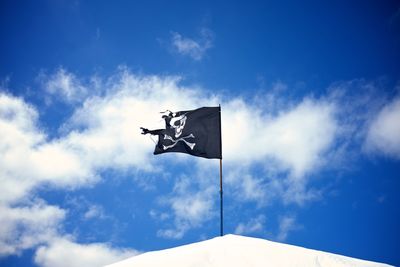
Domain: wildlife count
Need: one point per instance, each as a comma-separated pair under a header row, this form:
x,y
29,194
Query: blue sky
x,y
310,100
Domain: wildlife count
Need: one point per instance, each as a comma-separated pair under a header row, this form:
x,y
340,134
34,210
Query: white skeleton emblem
x,y
178,123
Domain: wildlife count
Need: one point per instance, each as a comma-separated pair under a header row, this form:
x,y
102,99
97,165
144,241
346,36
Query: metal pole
x,y
220,178
220,191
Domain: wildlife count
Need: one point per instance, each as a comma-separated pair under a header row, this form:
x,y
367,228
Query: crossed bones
x,y
175,141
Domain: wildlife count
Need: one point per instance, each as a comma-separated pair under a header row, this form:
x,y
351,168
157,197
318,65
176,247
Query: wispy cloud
x,y
194,48
94,211
254,225
26,226
250,188
64,85
85,209
191,207
295,138
384,131
287,224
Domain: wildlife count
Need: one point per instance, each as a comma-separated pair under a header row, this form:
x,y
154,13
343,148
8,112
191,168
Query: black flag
x,y
195,132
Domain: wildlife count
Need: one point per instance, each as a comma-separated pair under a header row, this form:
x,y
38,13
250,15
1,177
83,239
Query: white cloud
x,y
294,143
86,209
64,85
109,135
64,252
28,158
384,131
103,133
295,138
287,224
196,49
161,216
94,211
254,225
191,207
290,143
247,186
24,227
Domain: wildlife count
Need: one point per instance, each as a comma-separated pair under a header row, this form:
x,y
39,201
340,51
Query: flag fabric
x,y
195,132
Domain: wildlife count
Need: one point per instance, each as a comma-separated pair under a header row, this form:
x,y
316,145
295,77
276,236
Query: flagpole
x,y
220,179
221,198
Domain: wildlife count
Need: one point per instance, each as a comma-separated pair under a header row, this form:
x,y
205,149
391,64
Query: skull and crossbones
x,y
178,124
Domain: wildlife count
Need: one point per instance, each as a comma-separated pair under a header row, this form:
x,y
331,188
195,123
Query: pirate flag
x,y
195,132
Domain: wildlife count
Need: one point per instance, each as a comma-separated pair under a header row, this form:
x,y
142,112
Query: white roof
x,y
240,251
